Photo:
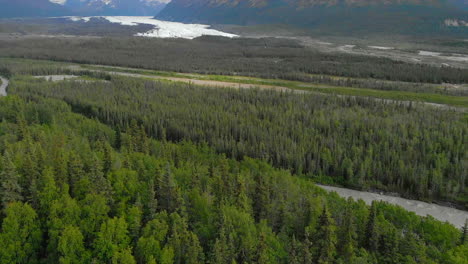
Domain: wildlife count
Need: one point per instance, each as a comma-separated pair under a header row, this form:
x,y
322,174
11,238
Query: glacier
x,y
162,29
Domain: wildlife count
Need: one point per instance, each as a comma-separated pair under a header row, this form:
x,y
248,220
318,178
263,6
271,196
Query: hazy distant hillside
x,y
115,7
462,4
41,8
340,16
26,8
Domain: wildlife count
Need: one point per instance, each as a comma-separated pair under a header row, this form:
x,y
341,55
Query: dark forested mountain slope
x,y
341,16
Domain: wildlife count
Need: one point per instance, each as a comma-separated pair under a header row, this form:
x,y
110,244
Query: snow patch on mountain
x,y
455,23
381,47
156,1
78,19
60,2
162,29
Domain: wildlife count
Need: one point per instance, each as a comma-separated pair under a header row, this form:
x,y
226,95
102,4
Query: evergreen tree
x,y
242,198
142,139
388,247
134,219
264,251
294,254
76,172
169,196
194,252
371,239
132,144
23,131
413,248
261,197
222,250
152,203
118,139
307,248
107,164
325,239
48,191
348,235
60,170
464,234
10,190
30,176
99,183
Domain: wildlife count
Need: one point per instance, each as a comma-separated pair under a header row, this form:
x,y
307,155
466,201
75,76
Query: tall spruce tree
x,y
294,251
348,235
10,189
371,239
307,248
261,198
169,196
118,139
464,234
325,239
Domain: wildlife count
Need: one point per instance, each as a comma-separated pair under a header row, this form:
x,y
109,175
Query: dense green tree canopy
x,y
363,143
218,212
108,169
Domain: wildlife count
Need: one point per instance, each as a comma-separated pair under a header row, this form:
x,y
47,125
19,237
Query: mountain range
x,y
336,16
41,8
339,16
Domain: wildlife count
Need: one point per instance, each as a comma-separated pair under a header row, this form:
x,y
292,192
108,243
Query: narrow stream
x,y
443,213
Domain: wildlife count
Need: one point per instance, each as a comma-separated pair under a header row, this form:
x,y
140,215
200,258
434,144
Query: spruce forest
x,y
75,190
417,151
233,131
111,169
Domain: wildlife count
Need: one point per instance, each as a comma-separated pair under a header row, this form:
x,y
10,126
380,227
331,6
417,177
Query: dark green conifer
x,y
371,239
325,239
10,189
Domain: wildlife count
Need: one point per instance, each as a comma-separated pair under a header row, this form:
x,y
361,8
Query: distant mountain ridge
x,y
115,7
42,8
341,16
27,8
